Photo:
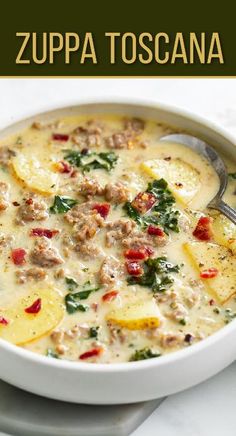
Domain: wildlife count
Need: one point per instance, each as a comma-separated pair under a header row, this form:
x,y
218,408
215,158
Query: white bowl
x,y
129,382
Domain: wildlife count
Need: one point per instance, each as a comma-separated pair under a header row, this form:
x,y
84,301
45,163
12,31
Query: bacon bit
x,y
155,231
80,129
73,173
209,273
15,203
102,208
3,321
91,353
94,306
35,307
109,296
64,167
134,268
60,137
143,201
29,201
139,254
43,232
212,302
203,230
18,256
149,251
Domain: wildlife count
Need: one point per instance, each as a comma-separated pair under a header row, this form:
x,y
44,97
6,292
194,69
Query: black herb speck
x,y
183,321
216,310
93,332
188,338
229,315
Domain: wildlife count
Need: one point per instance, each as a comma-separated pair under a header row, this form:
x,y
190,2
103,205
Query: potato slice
x,y
224,232
36,173
207,255
137,316
182,178
25,327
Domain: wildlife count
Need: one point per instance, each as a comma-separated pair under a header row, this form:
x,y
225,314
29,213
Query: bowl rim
x,y
171,357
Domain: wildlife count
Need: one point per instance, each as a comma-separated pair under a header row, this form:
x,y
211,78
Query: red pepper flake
x,y
3,320
43,232
102,208
203,230
109,296
134,268
155,231
18,256
135,254
29,201
60,137
211,302
209,273
64,167
139,254
91,353
35,307
143,202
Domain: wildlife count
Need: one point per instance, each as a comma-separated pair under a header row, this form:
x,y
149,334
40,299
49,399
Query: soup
x,y
109,253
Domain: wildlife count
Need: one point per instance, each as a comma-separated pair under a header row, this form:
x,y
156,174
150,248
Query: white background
x,y
208,409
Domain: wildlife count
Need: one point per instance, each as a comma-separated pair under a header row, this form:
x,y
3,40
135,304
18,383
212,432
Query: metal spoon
x,y
215,160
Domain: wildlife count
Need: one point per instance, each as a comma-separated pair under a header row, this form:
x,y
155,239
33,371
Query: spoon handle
x,y
226,210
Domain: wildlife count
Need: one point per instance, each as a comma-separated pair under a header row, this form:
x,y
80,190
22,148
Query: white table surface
x,y
208,409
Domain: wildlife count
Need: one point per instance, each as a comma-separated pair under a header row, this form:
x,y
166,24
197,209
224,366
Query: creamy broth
x,y
77,243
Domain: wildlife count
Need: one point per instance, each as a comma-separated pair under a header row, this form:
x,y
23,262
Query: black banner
x,y
125,38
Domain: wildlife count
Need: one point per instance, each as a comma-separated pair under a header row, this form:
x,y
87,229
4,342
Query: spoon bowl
x,y
216,162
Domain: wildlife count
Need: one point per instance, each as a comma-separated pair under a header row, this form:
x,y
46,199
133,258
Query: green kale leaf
x,y
73,304
72,300
145,353
71,283
105,161
155,274
62,204
51,353
162,213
